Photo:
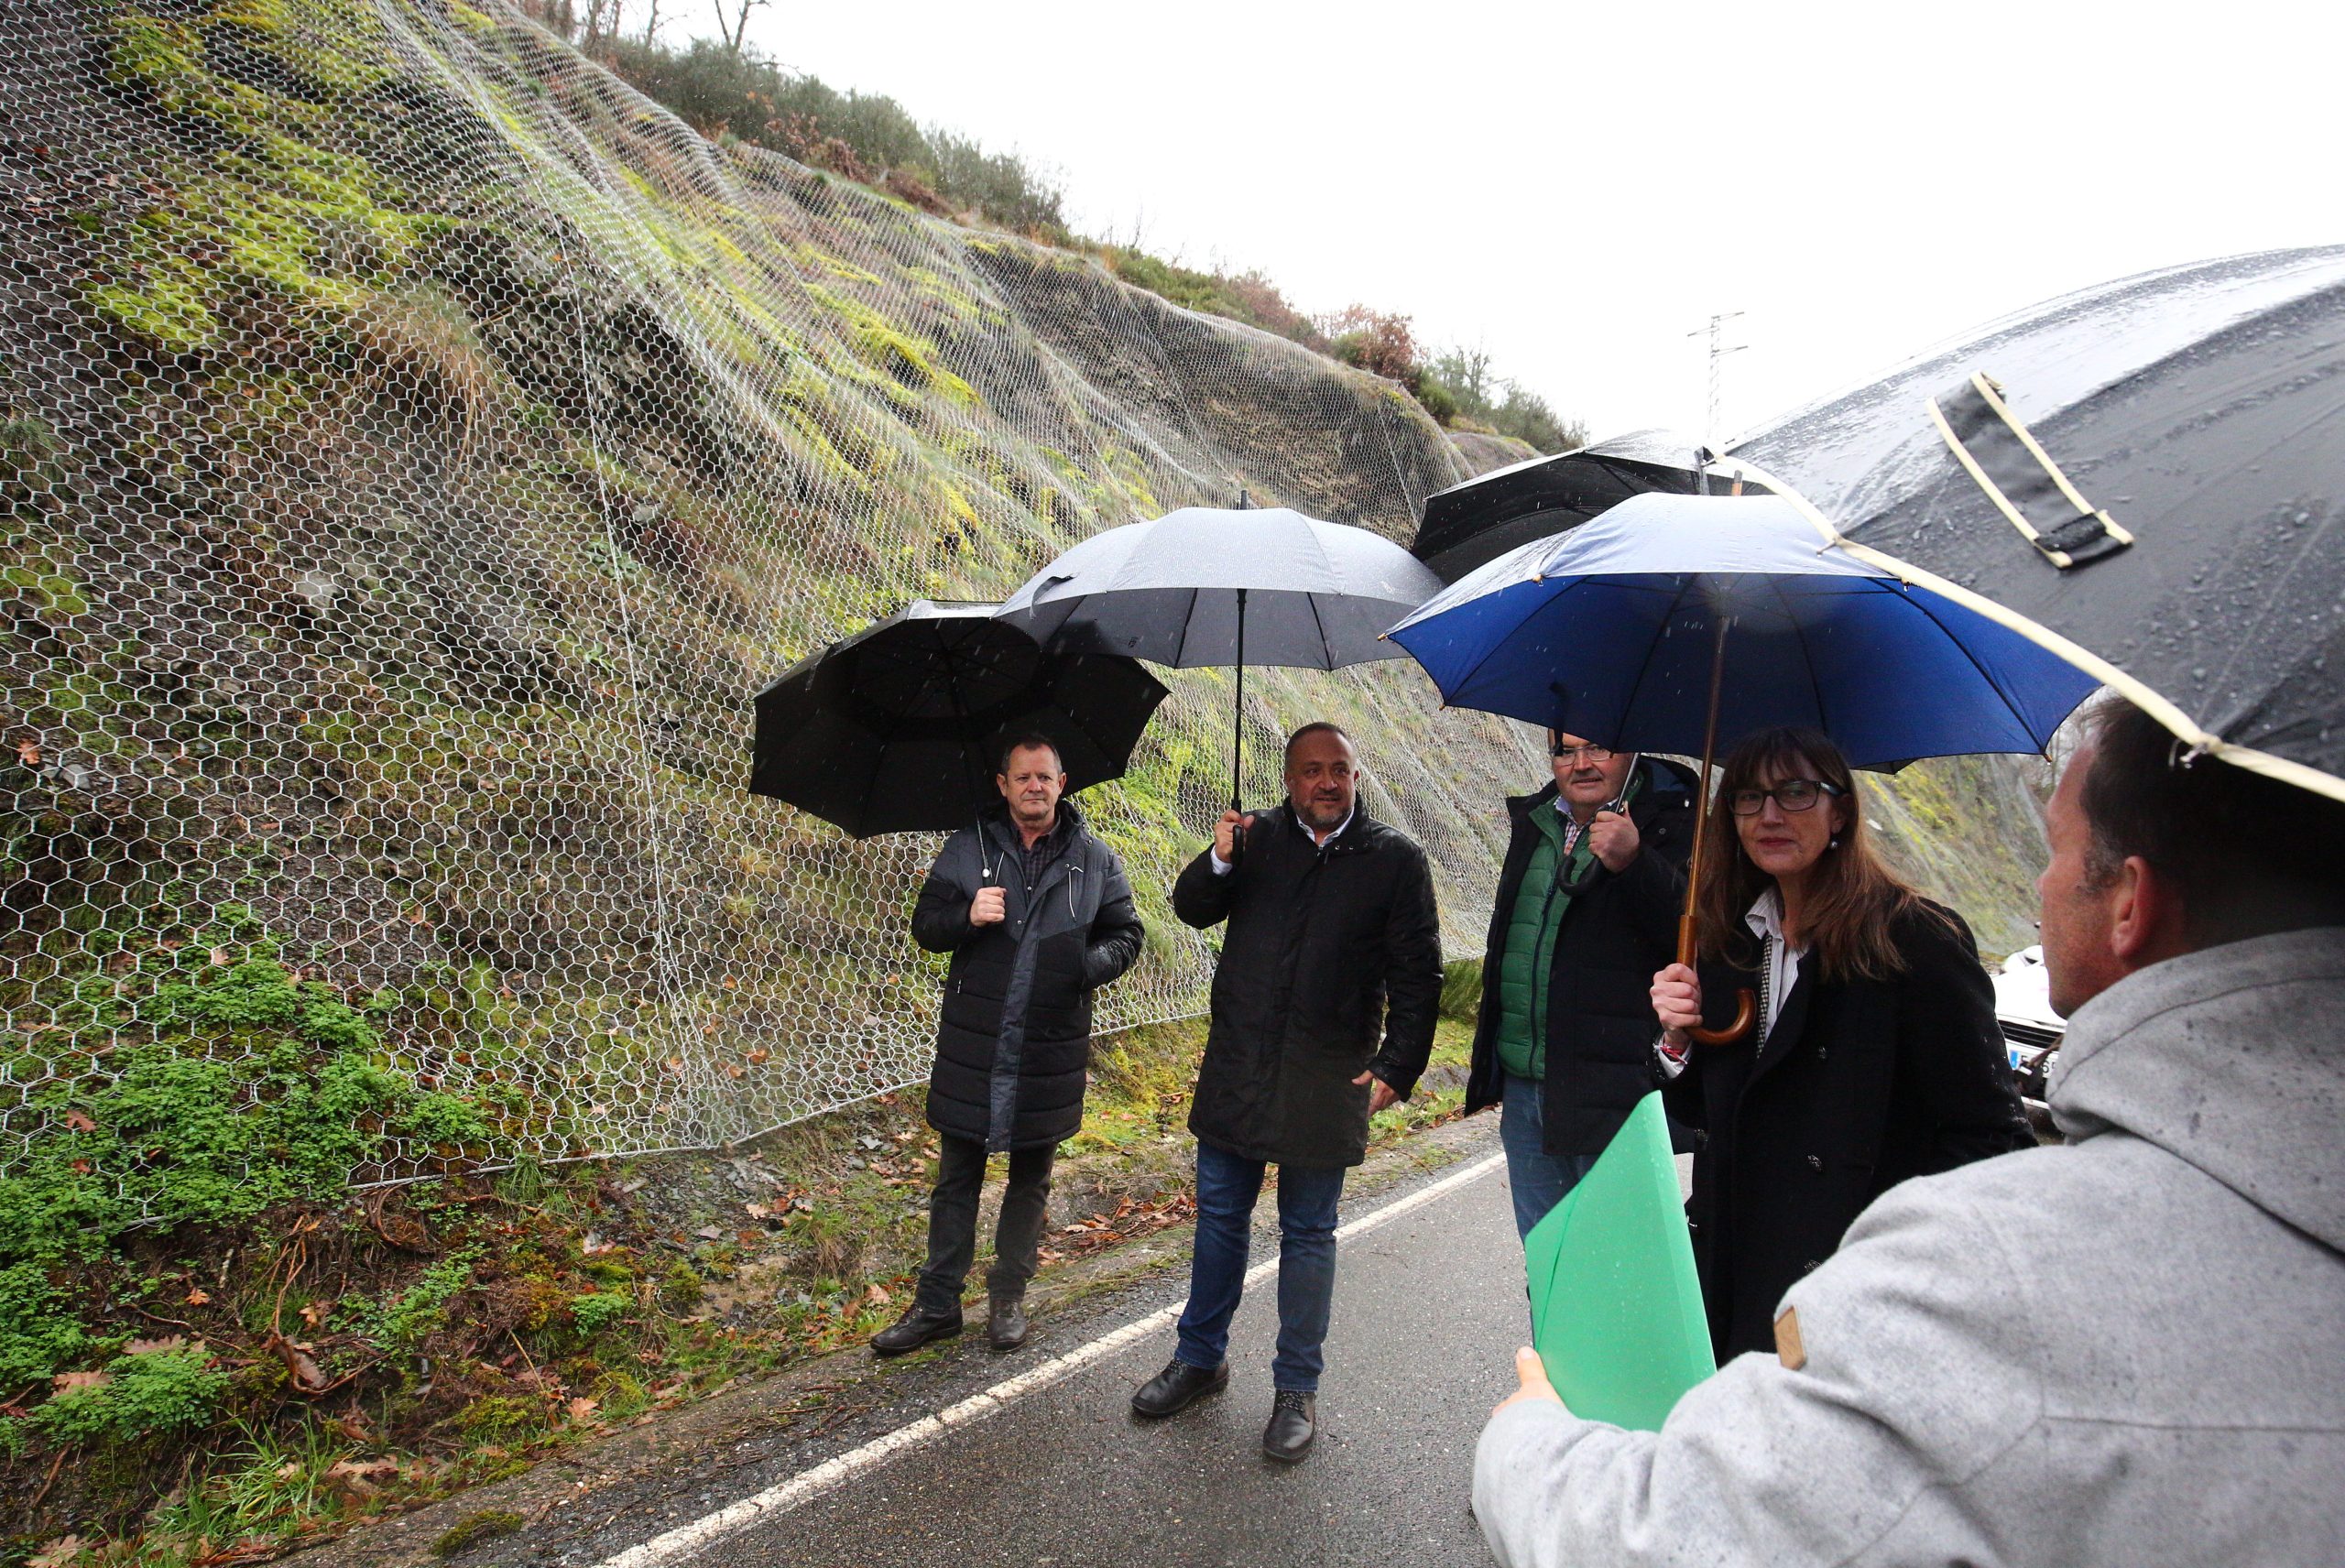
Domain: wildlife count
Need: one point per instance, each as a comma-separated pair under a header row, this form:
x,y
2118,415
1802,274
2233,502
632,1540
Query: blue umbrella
x,y
1652,625
1611,632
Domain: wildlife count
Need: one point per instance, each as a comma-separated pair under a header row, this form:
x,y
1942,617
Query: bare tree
x,y
652,23
739,30
602,22
1469,371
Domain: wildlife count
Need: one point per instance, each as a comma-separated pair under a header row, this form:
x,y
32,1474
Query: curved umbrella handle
x,y
1746,1005
1746,1013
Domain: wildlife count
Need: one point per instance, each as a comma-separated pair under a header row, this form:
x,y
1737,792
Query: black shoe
x,y
1293,1423
1005,1321
1177,1388
914,1329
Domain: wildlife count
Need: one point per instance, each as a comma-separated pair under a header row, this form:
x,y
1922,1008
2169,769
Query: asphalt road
x,y
1428,1311
1429,1307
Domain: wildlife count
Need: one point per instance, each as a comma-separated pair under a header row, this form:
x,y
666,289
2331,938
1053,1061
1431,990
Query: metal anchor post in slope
x,y
1717,354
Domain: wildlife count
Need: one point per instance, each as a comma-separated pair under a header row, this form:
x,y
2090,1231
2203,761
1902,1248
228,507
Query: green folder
x,y
1616,1310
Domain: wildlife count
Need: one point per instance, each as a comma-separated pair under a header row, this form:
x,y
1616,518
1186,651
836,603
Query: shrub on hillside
x,y
1258,300
1379,341
864,137
873,140
1250,298
1484,400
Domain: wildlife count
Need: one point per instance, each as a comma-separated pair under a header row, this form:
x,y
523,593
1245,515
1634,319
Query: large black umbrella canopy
x,y
2148,476
1469,523
896,729
1203,586
2175,444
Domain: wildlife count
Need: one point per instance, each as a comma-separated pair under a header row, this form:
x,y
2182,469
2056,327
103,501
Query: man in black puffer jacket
x,y
1323,1015
1037,914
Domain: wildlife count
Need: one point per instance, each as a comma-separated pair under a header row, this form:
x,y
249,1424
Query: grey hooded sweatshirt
x,y
2127,1350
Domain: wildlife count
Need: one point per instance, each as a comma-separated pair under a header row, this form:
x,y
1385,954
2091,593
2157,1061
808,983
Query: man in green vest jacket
x,y
1594,880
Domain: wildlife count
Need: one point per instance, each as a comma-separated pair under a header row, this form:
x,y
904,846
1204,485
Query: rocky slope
x,y
419,446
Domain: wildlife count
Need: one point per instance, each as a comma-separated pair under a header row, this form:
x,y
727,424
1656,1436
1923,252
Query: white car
x,y
2031,1031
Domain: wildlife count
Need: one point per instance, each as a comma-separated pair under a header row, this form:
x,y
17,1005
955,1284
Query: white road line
x,y
684,1540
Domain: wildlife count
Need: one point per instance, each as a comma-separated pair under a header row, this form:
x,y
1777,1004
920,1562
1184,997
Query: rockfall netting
x,y
418,448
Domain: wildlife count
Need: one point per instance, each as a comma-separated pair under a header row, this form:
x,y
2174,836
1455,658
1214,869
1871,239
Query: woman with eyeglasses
x,y
1875,1055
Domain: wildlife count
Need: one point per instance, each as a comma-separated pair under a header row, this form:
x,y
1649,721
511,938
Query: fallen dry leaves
x,y
359,1477
157,1346
57,1552
299,1366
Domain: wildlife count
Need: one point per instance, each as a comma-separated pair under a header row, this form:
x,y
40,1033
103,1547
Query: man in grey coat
x,y
2121,1351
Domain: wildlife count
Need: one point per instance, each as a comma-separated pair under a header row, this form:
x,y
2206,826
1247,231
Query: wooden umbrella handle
x,y
1746,1013
1746,1005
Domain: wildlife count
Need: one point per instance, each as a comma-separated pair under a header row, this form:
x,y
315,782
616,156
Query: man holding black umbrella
x,y
1323,1015
1037,913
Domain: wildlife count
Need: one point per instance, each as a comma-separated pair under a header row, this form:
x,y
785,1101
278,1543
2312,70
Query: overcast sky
x,y
1577,188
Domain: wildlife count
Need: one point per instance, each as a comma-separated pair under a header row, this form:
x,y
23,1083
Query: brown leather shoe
x,y
914,1329
1005,1321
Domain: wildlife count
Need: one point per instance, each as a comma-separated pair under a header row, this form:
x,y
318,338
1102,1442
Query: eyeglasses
x,y
1594,755
1792,795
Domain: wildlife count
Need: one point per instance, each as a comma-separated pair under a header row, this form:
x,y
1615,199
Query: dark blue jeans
x,y
1226,1187
1539,1179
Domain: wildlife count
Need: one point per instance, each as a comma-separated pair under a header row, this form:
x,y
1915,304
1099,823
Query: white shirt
x,y
1221,867
1765,918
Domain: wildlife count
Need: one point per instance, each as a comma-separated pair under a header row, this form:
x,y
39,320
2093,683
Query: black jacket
x,y
1861,1084
1617,932
1329,948
1013,1040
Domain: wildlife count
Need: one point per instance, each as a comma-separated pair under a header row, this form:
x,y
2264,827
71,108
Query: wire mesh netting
x,y
418,447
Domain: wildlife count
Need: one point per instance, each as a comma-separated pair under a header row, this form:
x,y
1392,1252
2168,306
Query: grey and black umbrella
x,y
2148,476
897,728
1493,513
1202,587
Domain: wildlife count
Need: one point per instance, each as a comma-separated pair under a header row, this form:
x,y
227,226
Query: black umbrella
x,y
2148,476
896,728
1493,513
1201,586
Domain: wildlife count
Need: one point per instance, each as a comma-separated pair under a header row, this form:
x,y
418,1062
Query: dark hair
x,y
1317,726
1853,898
1033,740
2248,853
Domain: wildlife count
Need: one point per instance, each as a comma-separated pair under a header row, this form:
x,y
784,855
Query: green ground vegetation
x,y
263,1363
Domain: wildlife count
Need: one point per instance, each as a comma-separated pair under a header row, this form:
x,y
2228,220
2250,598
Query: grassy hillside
x,y
420,446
